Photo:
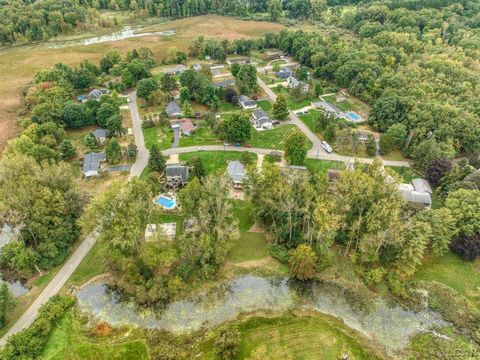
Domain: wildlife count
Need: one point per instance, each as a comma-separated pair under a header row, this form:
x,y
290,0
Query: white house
x,y
247,103
261,120
293,83
418,192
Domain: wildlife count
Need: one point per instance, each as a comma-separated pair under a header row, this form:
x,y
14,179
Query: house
x,y
418,192
246,103
185,125
177,175
273,55
91,163
100,135
261,120
95,94
197,67
174,70
236,172
285,73
293,83
173,109
327,107
224,84
245,60
168,230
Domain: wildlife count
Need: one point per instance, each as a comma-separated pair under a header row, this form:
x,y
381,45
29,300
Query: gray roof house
x,y
260,119
177,175
95,94
236,171
173,109
100,135
247,103
224,84
294,83
327,107
418,192
285,73
91,163
177,69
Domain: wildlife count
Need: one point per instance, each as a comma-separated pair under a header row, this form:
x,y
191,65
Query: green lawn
x,y
243,211
351,103
69,341
265,105
303,337
250,246
227,107
273,139
213,161
309,119
162,135
293,104
405,173
202,136
460,275
322,166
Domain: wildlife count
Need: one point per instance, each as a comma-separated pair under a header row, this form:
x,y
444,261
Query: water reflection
x,y
390,327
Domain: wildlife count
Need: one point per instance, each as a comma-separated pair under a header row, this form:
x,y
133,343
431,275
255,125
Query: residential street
x,y
142,152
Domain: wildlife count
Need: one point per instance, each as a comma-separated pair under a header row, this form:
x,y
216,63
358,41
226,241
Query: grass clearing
x,y
70,340
304,337
293,104
274,138
243,211
160,135
202,136
310,119
406,173
322,166
213,161
265,105
451,270
249,247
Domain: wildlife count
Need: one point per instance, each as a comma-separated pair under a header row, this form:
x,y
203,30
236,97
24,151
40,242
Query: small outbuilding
x,y
100,135
173,109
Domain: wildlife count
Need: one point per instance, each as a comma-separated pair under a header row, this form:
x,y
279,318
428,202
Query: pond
x,y
389,327
17,287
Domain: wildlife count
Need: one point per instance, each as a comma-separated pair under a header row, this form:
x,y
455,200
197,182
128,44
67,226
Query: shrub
x,y
302,262
101,329
467,247
279,252
227,344
437,170
374,276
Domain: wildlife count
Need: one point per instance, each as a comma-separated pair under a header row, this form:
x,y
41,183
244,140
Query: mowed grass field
x,y
302,337
214,161
274,138
18,65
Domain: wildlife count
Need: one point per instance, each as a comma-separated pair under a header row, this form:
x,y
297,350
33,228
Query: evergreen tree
x,y
90,142
330,132
198,169
187,110
371,146
7,302
156,161
67,150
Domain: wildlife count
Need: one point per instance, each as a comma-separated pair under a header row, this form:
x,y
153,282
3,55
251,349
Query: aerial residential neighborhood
x,y
239,180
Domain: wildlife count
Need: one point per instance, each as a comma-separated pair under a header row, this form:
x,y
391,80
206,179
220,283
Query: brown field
x,y
18,65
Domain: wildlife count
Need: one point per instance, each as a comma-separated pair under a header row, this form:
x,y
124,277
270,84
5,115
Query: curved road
x,y
316,152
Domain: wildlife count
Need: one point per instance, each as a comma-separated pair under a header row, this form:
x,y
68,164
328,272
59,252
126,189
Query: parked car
x,y
326,147
203,148
227,144
237,144
275,122
248,145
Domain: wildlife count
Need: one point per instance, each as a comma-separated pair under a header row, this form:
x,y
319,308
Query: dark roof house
x,y
224,84
247,103
285,73
173,109
236,171
91,163
177,175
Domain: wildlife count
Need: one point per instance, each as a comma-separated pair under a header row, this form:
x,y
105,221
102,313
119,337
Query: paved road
x,y
142,152
317,150
52,288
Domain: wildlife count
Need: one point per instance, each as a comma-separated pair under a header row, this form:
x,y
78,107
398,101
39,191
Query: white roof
x,y
236,171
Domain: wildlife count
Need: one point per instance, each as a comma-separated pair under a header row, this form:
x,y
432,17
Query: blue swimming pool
x,y
165,202
353,116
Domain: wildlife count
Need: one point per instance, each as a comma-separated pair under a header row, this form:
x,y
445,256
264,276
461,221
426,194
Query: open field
x,y
18,65
302,337
214,161
274,138
70,340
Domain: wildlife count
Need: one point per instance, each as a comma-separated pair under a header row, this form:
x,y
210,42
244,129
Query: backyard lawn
x,y
214,161
274,138
322,166
202,136
460,275
350,104
250,246
264,105
161,135
293,104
